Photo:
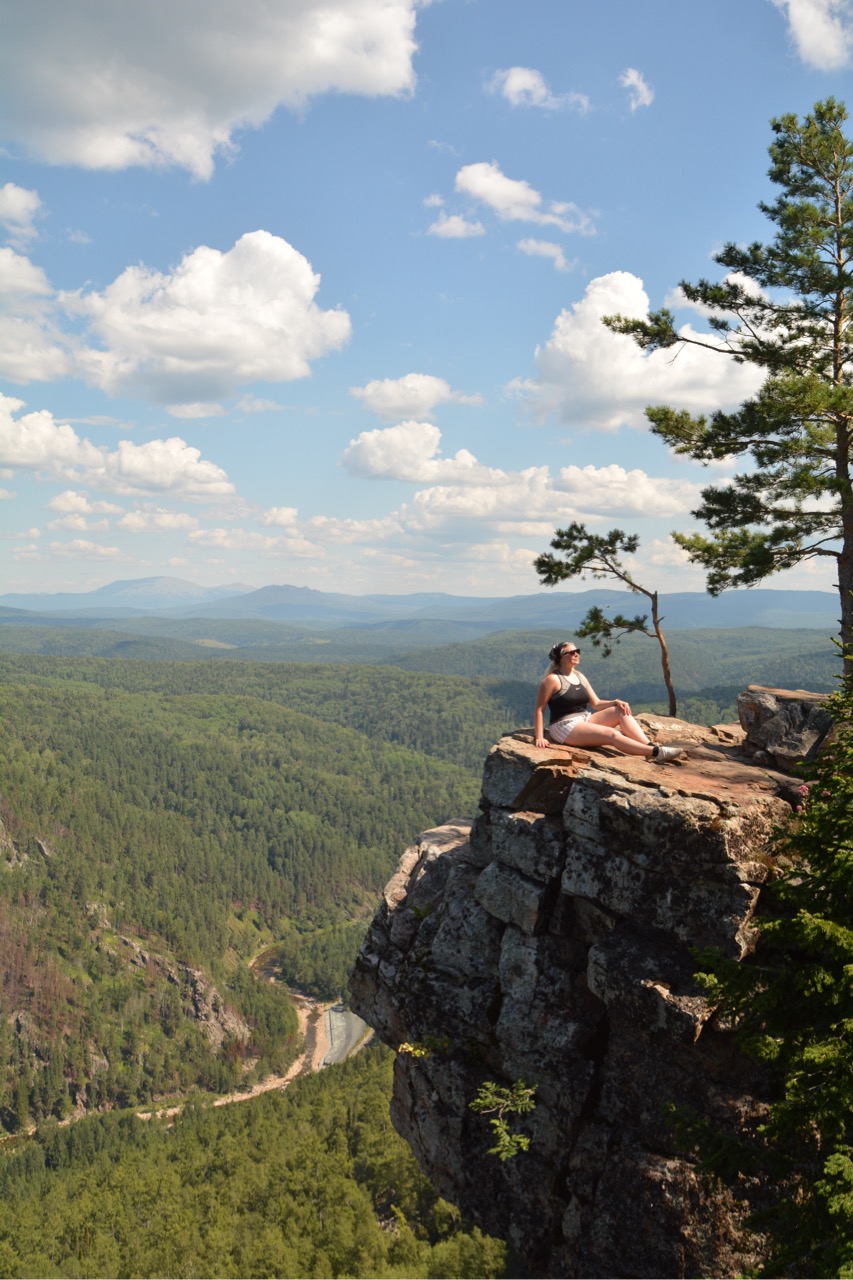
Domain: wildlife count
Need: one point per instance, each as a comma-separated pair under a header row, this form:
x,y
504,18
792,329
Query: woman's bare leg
x,y
626,725
590,734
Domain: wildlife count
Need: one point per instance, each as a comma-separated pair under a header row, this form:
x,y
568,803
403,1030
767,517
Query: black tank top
x,y
568,700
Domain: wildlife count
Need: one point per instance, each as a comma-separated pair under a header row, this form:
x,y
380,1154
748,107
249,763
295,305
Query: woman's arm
x,y
601,704
547,689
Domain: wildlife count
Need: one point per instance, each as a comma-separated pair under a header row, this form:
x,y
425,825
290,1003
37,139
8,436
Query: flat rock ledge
x,y
551,940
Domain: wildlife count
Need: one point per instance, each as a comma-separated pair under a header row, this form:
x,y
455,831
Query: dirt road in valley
x,y
318,1051
313,1028
313,1018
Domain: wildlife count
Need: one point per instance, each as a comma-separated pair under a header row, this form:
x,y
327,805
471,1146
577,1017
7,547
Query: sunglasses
x,y
567,653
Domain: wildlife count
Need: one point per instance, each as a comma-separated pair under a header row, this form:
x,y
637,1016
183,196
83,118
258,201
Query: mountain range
x,y
168,597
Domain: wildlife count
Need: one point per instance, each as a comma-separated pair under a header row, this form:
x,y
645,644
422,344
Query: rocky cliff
x,y
550,941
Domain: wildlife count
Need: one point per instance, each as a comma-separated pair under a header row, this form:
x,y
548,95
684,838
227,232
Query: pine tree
x,y
601,556
786,308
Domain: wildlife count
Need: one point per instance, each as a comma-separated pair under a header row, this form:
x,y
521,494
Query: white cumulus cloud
x,y
218,320
291,543
31,347
411,451
513,199
415,395
453,226
285,517
36,442
19,208
526,87
461,492
640,94
519,500
157,520
106,85
79,524
546,249
73,502
822,31
345,531
664,553
613,490
21,281
163,466
588,376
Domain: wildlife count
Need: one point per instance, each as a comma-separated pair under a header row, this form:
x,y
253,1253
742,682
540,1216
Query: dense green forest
x,y
311,1182
163,823
442,716
710,666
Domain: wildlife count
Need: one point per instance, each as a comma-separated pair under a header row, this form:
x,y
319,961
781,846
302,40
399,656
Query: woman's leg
x,y
590,734
626,725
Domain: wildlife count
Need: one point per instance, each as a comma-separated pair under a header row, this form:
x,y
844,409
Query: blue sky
x,y
309,291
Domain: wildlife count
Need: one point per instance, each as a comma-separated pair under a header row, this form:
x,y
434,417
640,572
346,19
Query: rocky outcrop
x,y
11,856
551,940
783,726
200,998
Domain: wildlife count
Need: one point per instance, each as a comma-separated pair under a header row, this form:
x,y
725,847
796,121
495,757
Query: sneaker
x,y
667,753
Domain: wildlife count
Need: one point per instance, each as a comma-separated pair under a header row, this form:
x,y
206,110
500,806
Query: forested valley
x,y
710,665
164,824
310,1182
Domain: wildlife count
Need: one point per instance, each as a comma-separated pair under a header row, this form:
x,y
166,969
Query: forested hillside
x,y
710,666
165,822
311,1182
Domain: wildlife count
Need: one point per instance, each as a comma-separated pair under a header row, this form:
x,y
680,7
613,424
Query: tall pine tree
x,y
785,307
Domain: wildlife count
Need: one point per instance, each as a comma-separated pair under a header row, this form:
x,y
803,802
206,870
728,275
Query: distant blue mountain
x,y
134,595
328,608
559,610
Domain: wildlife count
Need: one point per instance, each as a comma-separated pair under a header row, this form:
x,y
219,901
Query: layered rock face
x,y
783,726
550,941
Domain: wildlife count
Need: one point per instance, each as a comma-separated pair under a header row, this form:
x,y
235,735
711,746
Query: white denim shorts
x,y
560,730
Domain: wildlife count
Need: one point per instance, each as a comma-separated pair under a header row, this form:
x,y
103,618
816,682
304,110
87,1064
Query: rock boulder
x,y
783,726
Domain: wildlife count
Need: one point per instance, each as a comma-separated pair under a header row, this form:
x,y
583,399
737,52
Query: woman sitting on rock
x,y
577,713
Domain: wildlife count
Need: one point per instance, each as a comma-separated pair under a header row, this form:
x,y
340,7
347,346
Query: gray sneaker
x,y
667,753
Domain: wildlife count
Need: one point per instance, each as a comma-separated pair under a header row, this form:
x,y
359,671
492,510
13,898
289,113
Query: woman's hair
x,y
555,653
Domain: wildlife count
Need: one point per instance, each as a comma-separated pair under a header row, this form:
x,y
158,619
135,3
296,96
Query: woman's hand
x,y
541,742
622,707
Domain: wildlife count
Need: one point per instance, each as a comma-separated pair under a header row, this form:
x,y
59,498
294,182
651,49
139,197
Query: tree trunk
x,y
845,595
843,451
664,655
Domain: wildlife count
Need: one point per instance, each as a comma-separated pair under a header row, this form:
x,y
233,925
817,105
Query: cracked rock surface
x,y
550,941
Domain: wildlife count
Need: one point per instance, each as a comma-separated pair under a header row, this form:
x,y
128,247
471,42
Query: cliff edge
x,y
550,941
